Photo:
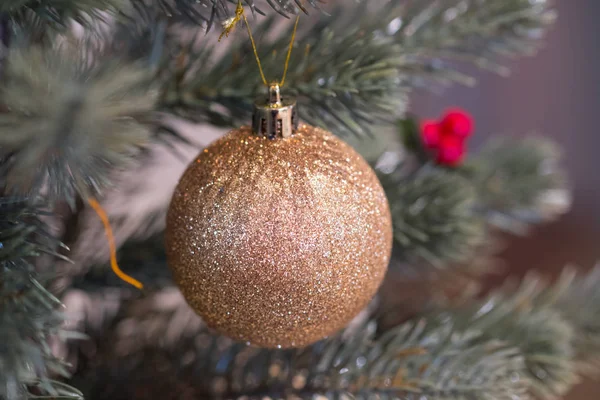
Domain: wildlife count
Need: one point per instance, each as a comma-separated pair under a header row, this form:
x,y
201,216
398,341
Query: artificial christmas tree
x,y
91,91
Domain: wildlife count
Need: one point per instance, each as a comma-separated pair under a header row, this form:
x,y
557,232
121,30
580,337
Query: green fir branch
x,y
352,76
477,32
69,120
29,313
554,326
434,218
188,12
576,296
542,335
56,14
520,182
213,13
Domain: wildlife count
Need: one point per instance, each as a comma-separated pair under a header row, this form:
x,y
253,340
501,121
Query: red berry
x,y
457,122
430,133
451,151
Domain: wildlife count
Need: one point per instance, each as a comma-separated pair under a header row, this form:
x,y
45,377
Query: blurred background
x,y
557,94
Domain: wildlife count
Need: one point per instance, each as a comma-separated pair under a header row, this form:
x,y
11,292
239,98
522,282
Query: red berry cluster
x,y
446,139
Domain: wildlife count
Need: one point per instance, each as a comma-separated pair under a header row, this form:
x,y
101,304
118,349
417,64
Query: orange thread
x,y
111,245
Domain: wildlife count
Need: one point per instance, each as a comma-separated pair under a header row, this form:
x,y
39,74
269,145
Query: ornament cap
x,y
274,116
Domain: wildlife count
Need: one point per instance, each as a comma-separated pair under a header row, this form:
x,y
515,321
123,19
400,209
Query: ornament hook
x,y
274,116
274,94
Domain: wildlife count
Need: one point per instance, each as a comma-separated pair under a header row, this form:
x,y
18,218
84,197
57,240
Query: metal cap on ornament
x,y
274,116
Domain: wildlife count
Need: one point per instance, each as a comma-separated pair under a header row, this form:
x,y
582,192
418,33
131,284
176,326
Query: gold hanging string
x,y
262,74
289,53
232,22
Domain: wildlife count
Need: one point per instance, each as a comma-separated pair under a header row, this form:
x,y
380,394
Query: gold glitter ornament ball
x,y
281,242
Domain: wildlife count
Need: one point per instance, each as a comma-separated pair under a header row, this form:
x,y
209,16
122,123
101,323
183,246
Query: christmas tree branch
x,y
212,13
70,120
28,311
541,334
477,32
432,213
55,14
351,76
519,182
577,298
554,326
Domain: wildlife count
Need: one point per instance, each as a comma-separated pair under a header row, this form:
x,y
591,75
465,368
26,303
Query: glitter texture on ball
x,y
278,243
